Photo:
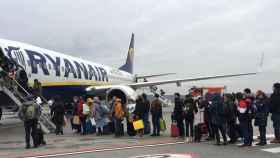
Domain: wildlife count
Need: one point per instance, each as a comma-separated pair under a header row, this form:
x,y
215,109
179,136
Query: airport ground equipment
x,y
10,88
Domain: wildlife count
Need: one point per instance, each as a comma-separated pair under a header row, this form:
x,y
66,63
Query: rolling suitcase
x,y
200,129
174,130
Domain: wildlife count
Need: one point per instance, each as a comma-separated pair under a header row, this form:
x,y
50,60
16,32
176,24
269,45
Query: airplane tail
x,y
128,66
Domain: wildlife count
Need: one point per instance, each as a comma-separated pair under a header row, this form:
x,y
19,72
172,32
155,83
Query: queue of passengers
x,y
231,115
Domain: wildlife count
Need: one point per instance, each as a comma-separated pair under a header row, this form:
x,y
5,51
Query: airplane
x,y
69,76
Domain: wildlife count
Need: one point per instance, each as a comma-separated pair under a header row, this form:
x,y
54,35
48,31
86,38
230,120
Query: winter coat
x,y
217,111
230,111
58,112
274,103
118,112
139,108
190,108
178,109
262,112
156,108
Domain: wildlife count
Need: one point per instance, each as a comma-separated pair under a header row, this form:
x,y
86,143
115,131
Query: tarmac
x,y
72,145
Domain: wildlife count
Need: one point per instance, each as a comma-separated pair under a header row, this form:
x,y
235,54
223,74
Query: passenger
x,y
147,106
189,112
29,114
118,116
37,88
100,115
76,113
205,104
87,113
231,115
244,119
178,114
261,116
58,113
218,114
139,112
274,103
156,111
249,97
1,112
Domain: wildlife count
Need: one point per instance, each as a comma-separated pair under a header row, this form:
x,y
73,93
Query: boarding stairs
x,y
162,98
11,87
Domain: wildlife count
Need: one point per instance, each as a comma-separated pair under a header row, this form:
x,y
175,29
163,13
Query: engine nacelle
x,y
125,93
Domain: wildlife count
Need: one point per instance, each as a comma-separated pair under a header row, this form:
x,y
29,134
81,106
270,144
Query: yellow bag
x,y
76,120
138,125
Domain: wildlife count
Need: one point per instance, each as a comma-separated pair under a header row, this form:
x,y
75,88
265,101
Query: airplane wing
x,y
179,81
151,76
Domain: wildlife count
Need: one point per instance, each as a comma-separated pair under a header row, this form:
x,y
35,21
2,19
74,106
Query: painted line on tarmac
x,y
100,150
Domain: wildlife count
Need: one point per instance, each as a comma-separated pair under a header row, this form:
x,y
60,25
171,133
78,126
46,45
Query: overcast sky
x,y
190,37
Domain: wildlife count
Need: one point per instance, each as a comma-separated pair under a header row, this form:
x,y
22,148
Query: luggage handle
x,y
200,117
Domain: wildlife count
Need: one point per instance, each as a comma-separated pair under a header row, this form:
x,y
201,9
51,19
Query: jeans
x,y
156,124
276,125
118,127
84,125
247,131
262,130
147,126
222,129
180,125
232,131
30,127
189,127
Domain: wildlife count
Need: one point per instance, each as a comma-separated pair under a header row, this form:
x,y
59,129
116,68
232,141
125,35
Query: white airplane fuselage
x,y
59,72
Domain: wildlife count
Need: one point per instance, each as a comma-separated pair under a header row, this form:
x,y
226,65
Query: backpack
x,y
30,112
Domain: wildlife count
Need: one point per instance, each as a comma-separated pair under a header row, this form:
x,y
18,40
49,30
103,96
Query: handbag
x,y
138,124
162,124
86,109
76,120
92,120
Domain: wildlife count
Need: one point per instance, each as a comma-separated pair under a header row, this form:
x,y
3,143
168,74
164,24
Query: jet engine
x,y
125,93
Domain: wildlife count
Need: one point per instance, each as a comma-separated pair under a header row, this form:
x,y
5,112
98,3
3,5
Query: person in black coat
x,y
217,111
178,114
231,116
189,111
58,115
274,104
261,116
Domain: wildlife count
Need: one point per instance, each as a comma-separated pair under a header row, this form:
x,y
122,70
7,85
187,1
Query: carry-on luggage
x,y
174,129
200,129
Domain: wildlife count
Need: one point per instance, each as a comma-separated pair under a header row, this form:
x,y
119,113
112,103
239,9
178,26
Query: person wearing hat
x,y
274,103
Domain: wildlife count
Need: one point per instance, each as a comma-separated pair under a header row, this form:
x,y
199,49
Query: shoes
x,y
153,135
275,141
225,143
244,145
261,144
158,135
218,144
27,147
